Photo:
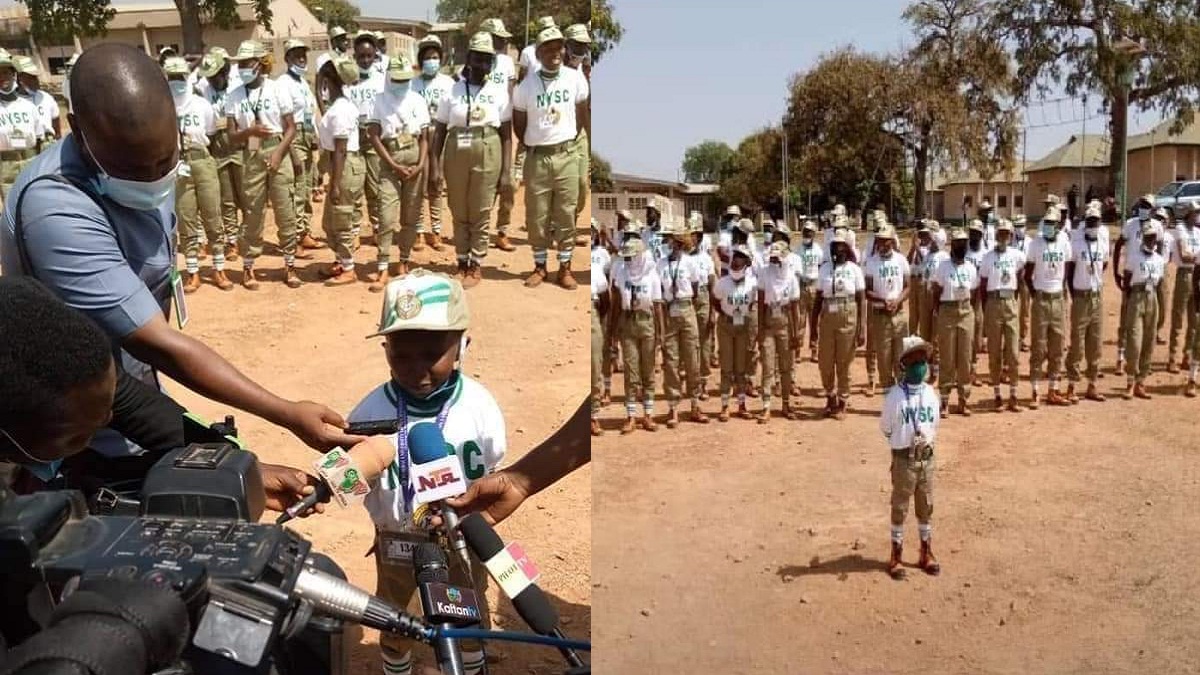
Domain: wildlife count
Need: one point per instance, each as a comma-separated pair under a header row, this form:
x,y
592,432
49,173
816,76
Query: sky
x,y
686,72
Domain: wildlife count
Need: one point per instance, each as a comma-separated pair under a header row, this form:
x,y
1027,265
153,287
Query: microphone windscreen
x,y
536,610
426,443
430,564
480,536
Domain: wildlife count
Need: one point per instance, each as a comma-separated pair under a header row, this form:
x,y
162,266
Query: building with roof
x,y
453,35
1158,157
1081,162
957,196
675,199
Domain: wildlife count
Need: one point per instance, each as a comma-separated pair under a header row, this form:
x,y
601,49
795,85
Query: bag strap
x,y
19,225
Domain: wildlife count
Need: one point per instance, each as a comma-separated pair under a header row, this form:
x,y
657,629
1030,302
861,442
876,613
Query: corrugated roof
x,y
1016,175
645,180
1160,135
1084,151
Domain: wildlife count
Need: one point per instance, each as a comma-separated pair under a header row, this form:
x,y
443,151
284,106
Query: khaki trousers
x,y
836,353
1046,350
636,331
889,330
912,478
1001,319
1181,313
956,347
1141,308
733,350
681,347
776,353
1087,330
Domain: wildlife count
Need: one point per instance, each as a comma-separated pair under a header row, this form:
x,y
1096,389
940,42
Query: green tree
x,y
601,172
605,30
335,13
754,178
706,162
56,21
1089,47
957,109
843,123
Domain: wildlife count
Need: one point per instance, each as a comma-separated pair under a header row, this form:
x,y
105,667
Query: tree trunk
x,y
1119,125
921,160
193,31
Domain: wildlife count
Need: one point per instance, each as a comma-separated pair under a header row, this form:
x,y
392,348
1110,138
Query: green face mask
x,y
915,373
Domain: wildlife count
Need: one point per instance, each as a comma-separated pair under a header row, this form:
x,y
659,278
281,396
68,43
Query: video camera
x,y
255,594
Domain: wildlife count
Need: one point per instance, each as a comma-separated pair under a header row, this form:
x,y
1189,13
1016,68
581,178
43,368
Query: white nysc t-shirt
x,y
736,298
268,103
1002,269
397,116
956,281
908,409
678,280
196,120
638,284
339,121
887,275
475,106
1089,258
1145,268
1049,260
550,106
840,281
20,124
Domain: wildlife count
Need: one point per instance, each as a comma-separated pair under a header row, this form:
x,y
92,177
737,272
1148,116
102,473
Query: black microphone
x,y
528,599
431,567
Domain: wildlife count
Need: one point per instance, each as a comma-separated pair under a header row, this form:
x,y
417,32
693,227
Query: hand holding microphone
x,y
351,472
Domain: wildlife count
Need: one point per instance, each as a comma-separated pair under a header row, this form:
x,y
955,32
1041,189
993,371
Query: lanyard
x,y
467,86
402,443
674,276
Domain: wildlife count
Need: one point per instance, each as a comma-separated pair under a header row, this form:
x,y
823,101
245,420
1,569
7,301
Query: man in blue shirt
x,y
92,219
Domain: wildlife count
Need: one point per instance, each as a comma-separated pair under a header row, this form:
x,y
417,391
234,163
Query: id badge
x,y
465,140
185,170
181,311
961,294
222,123
5,144
17,142
776,311
396,548
834,308
253,143
676,308
739,319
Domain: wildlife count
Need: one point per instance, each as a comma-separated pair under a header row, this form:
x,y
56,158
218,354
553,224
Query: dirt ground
x,y
529,348
1064,536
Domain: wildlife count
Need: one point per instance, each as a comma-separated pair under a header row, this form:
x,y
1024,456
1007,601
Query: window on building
x,y
607,203
1019,201
1002,202
160,47
637,203
57,64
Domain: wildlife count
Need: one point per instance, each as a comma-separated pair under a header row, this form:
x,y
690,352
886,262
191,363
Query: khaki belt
x,y
16,155
270,142
195,153
956,303
565,146
1085,294
1001,294
1141,288
910,455
1046,294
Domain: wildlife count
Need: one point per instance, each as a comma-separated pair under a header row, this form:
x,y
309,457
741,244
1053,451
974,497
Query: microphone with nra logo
x,y
435,476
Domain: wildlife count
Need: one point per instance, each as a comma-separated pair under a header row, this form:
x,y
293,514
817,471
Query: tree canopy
x,y
334,13
706,162
605,30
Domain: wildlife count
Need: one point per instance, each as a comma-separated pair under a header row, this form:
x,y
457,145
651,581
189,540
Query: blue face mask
x,y
134,194
915,372
297,69
179,88
43,470
431,66
1049,232
397,89
247,75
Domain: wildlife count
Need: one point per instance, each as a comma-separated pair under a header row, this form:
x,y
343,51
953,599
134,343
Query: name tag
x,y
677,307
962,293
17,141
739,319
396,549
832,307
464,141
253,143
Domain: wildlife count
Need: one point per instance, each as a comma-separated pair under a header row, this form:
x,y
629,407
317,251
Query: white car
x,y
1177,193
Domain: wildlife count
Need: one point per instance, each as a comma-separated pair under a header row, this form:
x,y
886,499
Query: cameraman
x,y
59,384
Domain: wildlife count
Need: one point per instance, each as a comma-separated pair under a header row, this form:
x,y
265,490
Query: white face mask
x,y
737,275
1143,213
134,194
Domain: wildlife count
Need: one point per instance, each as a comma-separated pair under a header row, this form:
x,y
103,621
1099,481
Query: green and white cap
x,y
219,50
26,66
175,65
365,34
336,32
549,35
632,248
399,69
423,300
347,69
495,26
294,44
545,22
913,345
430,40
212,64
577,32
250,49
481,42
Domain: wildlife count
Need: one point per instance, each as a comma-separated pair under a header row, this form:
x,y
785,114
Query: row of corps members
x,y
29,117
394,135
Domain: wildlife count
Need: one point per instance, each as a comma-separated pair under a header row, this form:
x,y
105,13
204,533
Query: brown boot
x,y
433,241
895,566
503,243
672,419
998,402
697,416
1092,393
1171,367
790,413
1128,393
841,409
346,277
1055,398
1139,390
870,390
929,563
461,272
1012,404
648,424
191,282
628,427
1071,397
308,242
222,281
945,411
596,430
963,408
250,279
419,244
537,277
292,278
379,280
565,279
764,416
830,406
1034,401
474,275
723,416
1189,389
334,270
231,252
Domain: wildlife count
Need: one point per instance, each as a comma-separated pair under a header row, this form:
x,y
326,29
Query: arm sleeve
x,y
378,111
583,91
421,114
145,415
52,106
506,105
230,105
886,416
443,106
285,100
495,435
341,124
519,101
209,119
74,252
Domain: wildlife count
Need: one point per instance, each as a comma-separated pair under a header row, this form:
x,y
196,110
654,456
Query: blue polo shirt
x,y
108,261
